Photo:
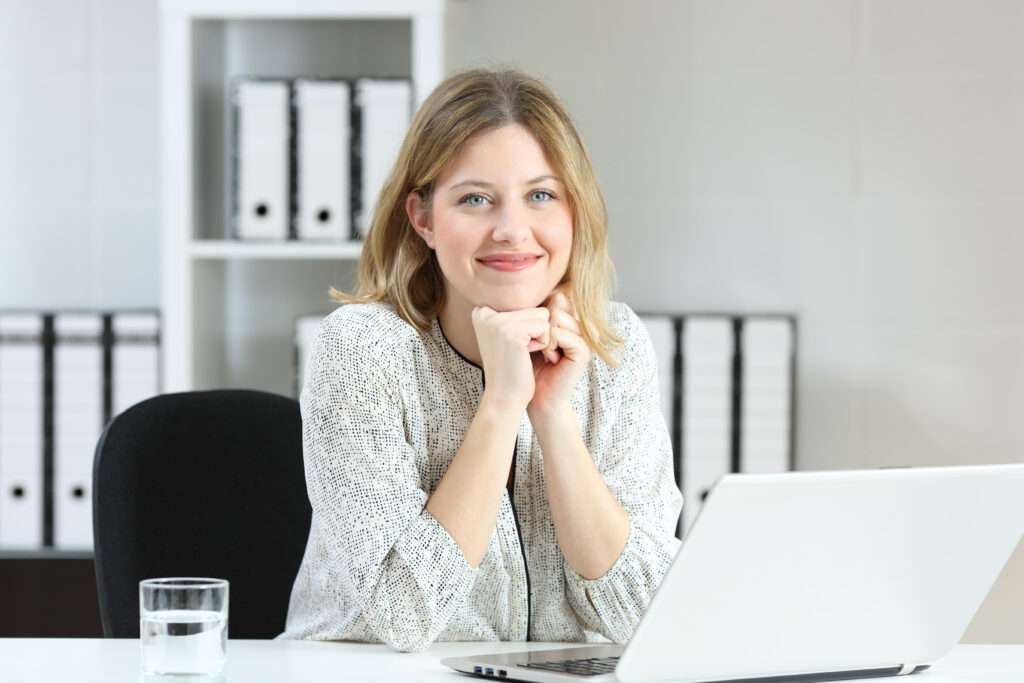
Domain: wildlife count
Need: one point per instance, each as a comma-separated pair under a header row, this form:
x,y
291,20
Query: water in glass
x,y
183,641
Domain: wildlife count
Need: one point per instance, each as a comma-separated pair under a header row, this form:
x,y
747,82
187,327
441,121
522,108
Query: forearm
x,y
591,526
466,499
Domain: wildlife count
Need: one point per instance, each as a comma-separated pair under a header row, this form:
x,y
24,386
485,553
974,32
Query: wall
x,y
78,154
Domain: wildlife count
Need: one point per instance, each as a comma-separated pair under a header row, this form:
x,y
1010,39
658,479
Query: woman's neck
x,y
456,320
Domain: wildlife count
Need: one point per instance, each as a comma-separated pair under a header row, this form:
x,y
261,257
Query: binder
x,y
78,422
306,327
21,430
662,330
708,350
385,107
765,441
262,160
135,371
323,158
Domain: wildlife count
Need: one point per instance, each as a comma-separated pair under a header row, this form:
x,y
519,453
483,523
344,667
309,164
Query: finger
x,y
551,350
561,297
536,345
539,313
562,319
481,313
535,334
558,304
498,320
571,344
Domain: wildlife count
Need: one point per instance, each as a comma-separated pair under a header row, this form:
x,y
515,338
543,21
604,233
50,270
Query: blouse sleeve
x,y
383,551
637,468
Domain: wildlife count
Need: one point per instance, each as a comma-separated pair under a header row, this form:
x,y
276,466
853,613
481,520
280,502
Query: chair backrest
x,y
206,483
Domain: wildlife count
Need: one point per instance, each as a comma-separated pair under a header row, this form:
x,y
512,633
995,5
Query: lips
x,y
509,258
510,262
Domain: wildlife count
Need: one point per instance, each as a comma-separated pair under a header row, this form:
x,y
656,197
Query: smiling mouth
x,y
510,263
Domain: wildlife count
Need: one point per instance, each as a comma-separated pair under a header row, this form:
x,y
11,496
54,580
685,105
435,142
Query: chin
x,y
511,301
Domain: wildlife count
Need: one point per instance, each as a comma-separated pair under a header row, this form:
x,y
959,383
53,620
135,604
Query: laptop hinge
x,y
906,669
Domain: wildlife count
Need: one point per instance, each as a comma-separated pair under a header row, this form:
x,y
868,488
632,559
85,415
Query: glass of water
x,y
183,625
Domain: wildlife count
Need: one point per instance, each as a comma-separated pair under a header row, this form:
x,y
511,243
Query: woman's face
x,y
500,222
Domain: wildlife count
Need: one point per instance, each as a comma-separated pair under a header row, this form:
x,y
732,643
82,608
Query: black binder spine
x,y
293,164
677,400
107,340
355,155
737,394
49,342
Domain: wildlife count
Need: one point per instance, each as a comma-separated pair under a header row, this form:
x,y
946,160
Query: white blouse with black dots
x,y
384,410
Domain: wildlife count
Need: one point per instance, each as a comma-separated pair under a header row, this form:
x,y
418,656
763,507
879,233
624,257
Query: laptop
x,y
810,576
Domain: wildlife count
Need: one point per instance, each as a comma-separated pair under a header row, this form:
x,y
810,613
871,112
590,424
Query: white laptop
x,y
809,576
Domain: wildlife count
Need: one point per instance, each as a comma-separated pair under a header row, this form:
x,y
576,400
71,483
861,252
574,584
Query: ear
x,y
418,211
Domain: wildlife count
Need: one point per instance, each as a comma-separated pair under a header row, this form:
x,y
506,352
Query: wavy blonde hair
x,y
399,269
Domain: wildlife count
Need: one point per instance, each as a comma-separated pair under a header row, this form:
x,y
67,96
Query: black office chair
x,y
206,483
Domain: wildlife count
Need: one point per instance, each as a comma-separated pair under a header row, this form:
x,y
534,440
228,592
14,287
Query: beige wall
x,y
856,162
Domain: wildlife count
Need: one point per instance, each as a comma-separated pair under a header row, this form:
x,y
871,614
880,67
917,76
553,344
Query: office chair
x,y
204,483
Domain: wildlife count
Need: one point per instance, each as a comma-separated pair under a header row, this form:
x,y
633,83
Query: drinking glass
x,y
183,625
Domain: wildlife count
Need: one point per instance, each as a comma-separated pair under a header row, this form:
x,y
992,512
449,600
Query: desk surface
x,y
86,660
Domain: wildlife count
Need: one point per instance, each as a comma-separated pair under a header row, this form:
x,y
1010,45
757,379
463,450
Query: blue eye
x,y
543,192
471,196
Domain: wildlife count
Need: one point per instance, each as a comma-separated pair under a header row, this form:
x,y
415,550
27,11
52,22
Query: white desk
x,y
82,660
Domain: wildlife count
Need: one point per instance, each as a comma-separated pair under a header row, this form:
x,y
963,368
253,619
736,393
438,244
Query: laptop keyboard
x,y
593,666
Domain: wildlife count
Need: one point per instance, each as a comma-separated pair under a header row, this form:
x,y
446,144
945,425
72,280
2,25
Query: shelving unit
x,y
233,249
229,306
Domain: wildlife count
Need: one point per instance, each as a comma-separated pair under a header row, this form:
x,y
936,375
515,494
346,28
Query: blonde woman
x,y
485,454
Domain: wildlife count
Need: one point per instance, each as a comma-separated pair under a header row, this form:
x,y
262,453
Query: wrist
x,y
500,408
551,417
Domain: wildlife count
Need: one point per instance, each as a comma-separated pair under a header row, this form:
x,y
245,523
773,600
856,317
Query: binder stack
x,y
708,351
767,345
311,155
322,129
727,386
22,399
262,160
136,359
62,377
385,111
78,423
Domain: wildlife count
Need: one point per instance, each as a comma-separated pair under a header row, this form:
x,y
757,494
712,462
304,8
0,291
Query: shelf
x,y
230,249
229,307
45,554
287,9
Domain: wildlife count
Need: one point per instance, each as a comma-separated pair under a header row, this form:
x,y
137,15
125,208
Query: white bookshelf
x,y
234,249
228,306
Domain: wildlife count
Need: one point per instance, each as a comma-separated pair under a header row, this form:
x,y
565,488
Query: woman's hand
x,y
506,341
562,362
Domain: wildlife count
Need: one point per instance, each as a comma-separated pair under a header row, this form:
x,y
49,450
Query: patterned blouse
x,y
384,411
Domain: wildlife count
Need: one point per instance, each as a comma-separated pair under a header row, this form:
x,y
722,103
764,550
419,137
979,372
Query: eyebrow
x,y
483,183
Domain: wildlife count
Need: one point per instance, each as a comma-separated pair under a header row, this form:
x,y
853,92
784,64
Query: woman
x,y
485,454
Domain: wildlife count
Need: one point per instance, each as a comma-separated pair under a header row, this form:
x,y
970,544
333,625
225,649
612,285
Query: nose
x,y
513,226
